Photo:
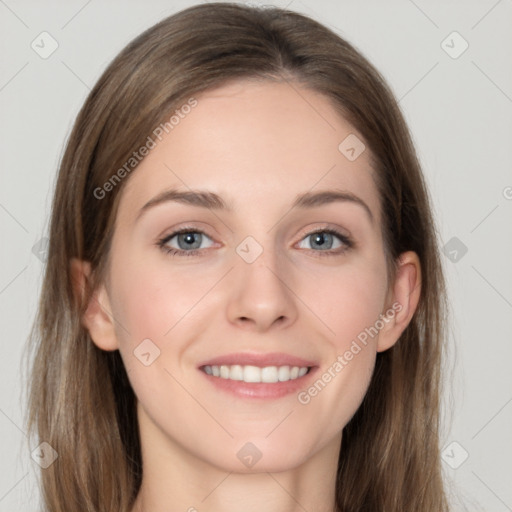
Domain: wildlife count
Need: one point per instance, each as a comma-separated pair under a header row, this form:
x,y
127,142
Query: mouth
x,y
258,375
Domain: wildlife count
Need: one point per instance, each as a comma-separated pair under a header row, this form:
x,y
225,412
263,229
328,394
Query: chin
x,y
259,456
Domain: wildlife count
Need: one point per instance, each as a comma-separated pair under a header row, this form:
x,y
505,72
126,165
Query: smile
x,y
255,374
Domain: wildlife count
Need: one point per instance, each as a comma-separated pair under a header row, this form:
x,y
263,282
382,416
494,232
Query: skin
x,y
257,145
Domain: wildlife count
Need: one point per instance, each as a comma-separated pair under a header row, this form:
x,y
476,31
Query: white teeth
x,y
250,373
283,374
236,372
269,374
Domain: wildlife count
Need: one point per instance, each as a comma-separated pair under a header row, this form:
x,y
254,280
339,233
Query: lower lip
x,y
264,390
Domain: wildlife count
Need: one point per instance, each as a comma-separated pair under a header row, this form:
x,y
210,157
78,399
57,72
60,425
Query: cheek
x,y
347,299
150,306
149,300
158,311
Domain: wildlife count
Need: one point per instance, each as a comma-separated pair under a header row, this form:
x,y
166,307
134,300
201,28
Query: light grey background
x,y
460,114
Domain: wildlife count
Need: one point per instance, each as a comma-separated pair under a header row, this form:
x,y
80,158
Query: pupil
x,y
320,239
189,240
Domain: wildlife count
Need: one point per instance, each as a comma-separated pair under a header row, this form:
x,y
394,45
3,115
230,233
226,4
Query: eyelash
x,y
349,244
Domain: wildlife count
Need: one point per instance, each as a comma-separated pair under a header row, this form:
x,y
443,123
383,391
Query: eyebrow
x,y
212,201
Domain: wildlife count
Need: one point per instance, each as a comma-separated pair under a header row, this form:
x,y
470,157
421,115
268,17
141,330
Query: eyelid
x,y
185,229
322,227
193,225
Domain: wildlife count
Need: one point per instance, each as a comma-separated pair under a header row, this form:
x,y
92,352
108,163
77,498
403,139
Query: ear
x,y
97,318
402,300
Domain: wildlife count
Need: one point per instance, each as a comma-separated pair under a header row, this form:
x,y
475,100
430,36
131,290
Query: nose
x,y
261,295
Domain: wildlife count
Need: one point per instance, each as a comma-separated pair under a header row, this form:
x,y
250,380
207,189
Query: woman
x,y
243,304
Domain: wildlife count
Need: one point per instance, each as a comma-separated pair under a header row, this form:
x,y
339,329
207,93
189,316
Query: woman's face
x,y
272,271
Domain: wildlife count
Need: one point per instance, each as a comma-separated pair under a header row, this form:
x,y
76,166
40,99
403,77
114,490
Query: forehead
x,y
255,144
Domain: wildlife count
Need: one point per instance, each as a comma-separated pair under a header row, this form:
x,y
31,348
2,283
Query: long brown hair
x,y
81,401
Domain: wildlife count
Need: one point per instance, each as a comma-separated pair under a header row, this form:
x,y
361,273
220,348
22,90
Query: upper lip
x,y
261,360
